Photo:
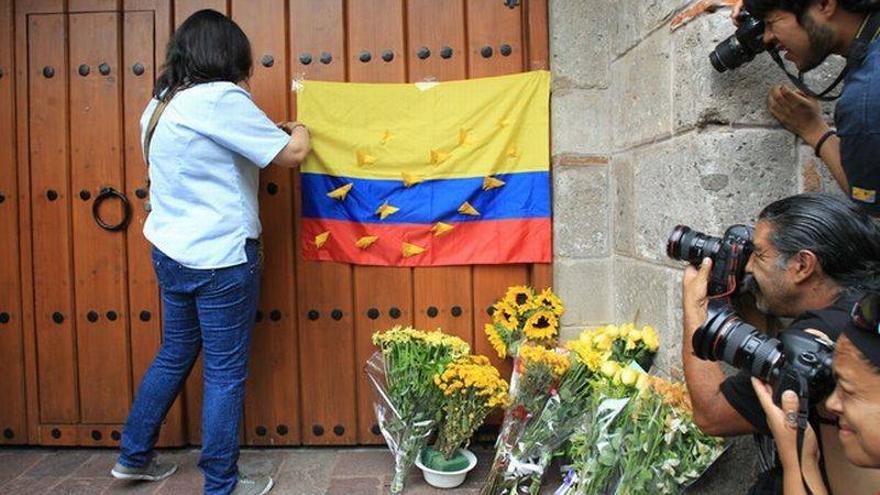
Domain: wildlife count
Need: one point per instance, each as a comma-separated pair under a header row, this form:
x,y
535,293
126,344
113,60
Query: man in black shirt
x,y
813,254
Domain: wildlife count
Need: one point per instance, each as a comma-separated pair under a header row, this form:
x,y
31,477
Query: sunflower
x,y
519,297
505,315
495,340
542,325
550,301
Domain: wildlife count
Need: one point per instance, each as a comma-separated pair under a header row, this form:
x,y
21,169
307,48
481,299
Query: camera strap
x,y
857,53
803,422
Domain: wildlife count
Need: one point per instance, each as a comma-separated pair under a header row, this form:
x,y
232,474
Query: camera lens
x,y
685,244
729,54
724,337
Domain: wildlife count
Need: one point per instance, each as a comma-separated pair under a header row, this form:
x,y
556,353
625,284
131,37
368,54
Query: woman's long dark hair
x,y
845,239
207,47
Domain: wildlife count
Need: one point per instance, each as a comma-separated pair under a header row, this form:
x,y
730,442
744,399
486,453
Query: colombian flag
x,y
428,174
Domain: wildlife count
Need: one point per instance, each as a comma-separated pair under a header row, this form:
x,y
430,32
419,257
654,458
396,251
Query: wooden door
x,y
13,407
82,302
95,304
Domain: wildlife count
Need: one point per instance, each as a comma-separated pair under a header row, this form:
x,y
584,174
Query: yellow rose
x,y
610,368
628,376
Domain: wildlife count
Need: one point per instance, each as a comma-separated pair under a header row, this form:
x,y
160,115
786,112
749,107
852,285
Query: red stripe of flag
x,y
479,242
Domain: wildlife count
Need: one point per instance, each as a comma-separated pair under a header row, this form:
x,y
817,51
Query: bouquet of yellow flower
x,y
640,439
624,344
408,403
521,316
549,390
472,388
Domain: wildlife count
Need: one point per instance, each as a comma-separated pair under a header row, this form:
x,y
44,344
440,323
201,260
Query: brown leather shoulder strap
x,y
151,127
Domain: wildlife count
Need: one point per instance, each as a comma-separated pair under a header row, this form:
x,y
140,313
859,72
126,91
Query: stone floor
x,y
36,471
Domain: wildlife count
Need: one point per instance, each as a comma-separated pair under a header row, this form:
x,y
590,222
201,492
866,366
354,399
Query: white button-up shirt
x,y
205,157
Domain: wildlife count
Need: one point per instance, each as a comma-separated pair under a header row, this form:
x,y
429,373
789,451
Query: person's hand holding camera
x,y
783,424
798,113
695,296
736,9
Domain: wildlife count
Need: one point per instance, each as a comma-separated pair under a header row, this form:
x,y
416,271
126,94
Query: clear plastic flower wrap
x,y
405,436
549,389
407,402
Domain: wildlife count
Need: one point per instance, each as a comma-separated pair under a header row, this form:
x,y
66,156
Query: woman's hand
x,y
299,146
783,424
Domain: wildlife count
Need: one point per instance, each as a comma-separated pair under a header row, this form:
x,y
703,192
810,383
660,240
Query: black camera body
x,y
729,255
742,46
797,360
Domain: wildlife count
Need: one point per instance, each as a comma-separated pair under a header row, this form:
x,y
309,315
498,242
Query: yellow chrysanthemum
x,y
542,325
533,355
495,340
475,380
584,352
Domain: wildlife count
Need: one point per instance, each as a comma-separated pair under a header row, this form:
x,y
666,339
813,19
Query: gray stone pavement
x,y
354,471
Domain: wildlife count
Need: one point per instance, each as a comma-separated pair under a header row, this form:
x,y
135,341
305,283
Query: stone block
x,y
622,191
580,41
708,181
586,290
642,89
581,208
636,19
643,295
581,121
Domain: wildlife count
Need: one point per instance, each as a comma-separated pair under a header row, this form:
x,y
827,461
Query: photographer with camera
x,y
809,258
855,401
806,32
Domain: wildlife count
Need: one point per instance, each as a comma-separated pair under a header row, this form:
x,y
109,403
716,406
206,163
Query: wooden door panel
x,y
139,71
186,8
442,295
376,27
272,400
54,313
492,28
13,412
99,255
495,37
324,290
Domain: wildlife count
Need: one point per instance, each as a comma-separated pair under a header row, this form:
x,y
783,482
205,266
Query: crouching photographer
x,y
855,402
809,258
806,33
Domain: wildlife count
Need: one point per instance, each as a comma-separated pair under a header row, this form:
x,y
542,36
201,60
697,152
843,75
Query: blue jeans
x,y
213,310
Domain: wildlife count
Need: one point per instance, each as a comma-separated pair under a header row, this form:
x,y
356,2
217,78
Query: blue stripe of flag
x,y
524,195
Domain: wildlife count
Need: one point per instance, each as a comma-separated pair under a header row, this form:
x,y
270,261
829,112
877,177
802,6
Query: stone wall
x,y
646,135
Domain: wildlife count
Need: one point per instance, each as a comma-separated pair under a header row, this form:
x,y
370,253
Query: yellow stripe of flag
x,y
472,128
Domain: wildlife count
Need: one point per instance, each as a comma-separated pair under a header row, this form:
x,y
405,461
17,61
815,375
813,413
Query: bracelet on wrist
x,y
818,148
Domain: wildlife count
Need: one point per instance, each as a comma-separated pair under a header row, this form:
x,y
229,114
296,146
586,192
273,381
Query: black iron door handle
x,y
105,194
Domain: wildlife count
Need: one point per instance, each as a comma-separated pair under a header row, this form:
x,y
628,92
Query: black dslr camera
x,y
795,361
742,46
729,256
